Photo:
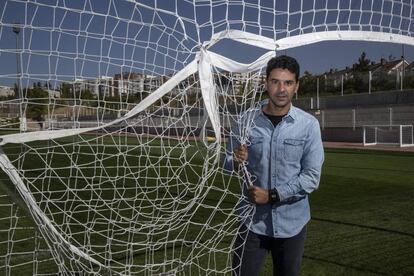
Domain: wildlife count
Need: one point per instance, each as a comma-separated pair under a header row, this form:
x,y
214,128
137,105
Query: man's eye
x,y
285,83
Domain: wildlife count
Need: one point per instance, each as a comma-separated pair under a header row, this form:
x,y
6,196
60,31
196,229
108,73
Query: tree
x,y
307,83
16,91
37,106
359,80
363,63
66,91
86,95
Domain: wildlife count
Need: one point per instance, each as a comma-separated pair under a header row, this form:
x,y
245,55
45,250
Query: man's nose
x,y
281,86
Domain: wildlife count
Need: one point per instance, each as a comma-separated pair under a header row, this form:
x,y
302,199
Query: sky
x,y
62,40
321,57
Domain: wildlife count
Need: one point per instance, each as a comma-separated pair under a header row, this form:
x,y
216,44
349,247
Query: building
x,y
129,83
81,85
100,87
6,91
238,83
410,68
152,83
53,93
390,67
105,86
377,70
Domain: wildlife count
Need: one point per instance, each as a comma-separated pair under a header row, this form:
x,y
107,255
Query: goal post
x,y
401,135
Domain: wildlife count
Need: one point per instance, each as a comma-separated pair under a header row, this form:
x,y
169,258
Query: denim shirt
x,y
287,157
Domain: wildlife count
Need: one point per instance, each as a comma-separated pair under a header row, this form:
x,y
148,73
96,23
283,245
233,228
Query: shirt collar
x,y
292,113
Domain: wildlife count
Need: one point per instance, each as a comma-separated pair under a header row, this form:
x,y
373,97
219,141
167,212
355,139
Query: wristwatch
x,y
274,196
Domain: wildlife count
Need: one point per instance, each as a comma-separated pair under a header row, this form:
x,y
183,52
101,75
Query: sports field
x,y
363,218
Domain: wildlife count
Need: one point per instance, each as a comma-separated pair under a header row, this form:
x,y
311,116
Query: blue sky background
x,y
62,40
320,57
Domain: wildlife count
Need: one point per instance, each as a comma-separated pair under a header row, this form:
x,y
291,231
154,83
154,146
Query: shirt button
x,y
274,175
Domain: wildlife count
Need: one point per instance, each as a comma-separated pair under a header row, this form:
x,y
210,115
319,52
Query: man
x,y
283,156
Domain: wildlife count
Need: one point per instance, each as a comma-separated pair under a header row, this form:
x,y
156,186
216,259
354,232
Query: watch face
x,y
274,196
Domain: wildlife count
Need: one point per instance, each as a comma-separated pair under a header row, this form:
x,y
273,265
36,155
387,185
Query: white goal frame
x,y
399,130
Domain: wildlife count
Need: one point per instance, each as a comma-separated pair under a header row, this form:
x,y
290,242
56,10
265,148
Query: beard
x,y
280,103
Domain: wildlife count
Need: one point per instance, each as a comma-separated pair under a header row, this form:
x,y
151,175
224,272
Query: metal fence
x,y
356,82
358,117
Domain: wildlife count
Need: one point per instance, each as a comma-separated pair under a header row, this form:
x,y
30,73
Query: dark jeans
x,y
249,257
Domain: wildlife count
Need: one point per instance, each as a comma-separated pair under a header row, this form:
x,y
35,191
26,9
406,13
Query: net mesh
x,y
145,195
111,146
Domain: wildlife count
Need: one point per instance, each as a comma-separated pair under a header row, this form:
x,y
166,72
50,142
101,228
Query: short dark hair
x,y
283,62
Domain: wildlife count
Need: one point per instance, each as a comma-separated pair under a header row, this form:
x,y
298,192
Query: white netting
x,y
111,147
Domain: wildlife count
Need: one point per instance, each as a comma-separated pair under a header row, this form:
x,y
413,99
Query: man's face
x,y
281,86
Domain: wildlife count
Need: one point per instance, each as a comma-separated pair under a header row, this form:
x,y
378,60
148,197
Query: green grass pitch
x,y
362,219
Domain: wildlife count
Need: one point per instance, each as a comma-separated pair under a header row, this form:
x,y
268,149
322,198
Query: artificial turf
x,y
362,219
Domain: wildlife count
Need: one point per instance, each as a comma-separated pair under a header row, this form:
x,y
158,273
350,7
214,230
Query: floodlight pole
x,y
16,30
317,93
403,69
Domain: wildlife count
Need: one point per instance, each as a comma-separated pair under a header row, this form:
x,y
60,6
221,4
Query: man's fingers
x,y
258,195
241,153
253,193
243,150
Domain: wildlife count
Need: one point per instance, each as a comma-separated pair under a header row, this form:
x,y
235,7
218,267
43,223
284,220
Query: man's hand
x,y
258,195
240,154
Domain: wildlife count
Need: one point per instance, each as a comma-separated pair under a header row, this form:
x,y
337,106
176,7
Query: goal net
x,y
111,146
401,135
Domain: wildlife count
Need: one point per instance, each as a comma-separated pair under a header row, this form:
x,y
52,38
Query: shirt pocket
x,y
255,140
293,149
255,150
